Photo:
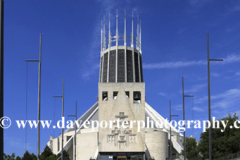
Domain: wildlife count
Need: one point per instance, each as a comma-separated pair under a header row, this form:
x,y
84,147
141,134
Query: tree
x,y
26,156
223,143
8,157
33,156
18,158
191,148
58,155
47,152
52,157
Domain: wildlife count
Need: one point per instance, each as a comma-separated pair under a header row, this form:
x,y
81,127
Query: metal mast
x,y
104,35
140,39
184,116
75,134
209,102
184,139
137,34
104,47
209,98
132,45
109,46
171,129
116,67
125,46
101,38
137,43
62,115
75,128
39,94
100,68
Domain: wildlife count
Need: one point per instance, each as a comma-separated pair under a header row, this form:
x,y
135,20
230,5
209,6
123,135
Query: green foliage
x,y
52,157
191,148
48,155
223,143
47,152
26,156
8,157
59,154
18,158
33,156
45,155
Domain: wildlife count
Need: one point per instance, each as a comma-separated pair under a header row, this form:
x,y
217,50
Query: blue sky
x,y
174,44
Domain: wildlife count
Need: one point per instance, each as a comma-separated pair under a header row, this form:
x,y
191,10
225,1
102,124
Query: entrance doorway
x,y
121,157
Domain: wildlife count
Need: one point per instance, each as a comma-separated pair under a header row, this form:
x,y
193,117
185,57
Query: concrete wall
x,y
57,142
87,144
157,144
54,144
108,110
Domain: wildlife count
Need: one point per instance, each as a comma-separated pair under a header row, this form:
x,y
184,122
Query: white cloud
x,y
214,74
201,100
229,59
235,8
17,143
162,94
177,64
178,107
195,88
195,108
219,114
198,3
227,99
94,52
238,73
87,72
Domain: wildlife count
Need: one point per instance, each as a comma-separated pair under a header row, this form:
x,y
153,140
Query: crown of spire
x,y
108,42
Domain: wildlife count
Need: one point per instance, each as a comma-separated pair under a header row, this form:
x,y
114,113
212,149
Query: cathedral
x,y
121,98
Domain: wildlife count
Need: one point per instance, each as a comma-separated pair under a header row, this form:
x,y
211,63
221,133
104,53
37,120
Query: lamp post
x,y
62,114
209,98
171,129
184,116
39,93
75,150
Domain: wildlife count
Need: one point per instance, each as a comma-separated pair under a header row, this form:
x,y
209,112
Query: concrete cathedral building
x,y
121,97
